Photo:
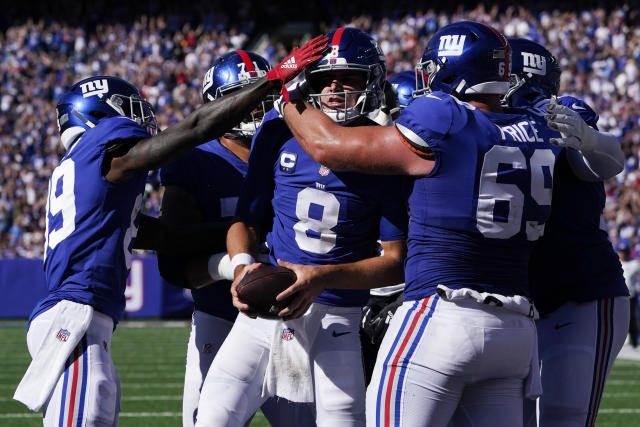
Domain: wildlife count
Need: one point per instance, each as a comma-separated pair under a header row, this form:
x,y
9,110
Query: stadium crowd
x,y
598,49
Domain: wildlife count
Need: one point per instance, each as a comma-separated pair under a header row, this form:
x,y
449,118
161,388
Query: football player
x,y
575,276
325,228
202,188
95,194
462,346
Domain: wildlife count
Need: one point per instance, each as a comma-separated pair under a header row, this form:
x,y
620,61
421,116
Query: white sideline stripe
x,y
623,382
138,375
619,411
124,385
122,415
154,323
127,398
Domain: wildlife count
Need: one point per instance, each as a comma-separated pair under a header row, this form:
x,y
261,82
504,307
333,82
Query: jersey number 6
x,y
491,191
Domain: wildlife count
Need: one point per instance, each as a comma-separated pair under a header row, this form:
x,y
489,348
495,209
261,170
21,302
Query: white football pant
x,y
208,332
445,363
232,390
578,344
88,391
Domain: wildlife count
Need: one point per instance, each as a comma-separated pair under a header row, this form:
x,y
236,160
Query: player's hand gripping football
x,y
575,132
243,307
305,290
298,59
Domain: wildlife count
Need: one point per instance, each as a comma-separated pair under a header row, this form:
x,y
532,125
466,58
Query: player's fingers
x,y
299,311
286,264
315,42
560,118
288,292
295,303
560,127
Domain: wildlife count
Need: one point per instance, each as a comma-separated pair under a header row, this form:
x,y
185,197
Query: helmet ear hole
x,y
449,79
97,114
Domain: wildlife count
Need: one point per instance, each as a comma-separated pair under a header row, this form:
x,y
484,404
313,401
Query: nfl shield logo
x,y
63,335
287,334
324,171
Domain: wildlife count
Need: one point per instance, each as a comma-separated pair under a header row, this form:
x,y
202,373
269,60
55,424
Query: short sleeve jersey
x,y
91,222
475,217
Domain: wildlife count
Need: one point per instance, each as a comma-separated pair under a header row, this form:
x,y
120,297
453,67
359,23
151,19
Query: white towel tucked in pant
x,y
66,331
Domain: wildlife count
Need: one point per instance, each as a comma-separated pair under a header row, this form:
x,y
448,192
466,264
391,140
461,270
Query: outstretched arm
x,y
209,121
368,149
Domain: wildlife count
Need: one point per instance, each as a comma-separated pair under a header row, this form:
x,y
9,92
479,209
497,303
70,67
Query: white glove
x,y
600,152
298,89
575,132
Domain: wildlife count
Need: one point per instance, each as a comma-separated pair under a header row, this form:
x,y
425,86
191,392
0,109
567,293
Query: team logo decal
x,y
324,171
287,334
63,335
534,64
95,87
451,45
288,162
208,80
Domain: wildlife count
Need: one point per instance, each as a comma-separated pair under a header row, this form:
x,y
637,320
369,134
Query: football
x,y
259,289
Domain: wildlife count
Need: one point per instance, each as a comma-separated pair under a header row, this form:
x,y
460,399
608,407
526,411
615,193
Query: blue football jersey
x,y
574,260
214,176
91,223
474,218
320,216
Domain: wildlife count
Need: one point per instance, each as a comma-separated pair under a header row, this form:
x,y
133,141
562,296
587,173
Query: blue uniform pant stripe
x,y
63,395
407,359
85,375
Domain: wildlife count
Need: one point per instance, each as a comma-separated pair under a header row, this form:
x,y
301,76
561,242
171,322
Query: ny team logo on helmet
x,y
465,57
90,100
535,73
231,72
353,50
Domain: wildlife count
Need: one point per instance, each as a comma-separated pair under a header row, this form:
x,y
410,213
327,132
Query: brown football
x,y
259,289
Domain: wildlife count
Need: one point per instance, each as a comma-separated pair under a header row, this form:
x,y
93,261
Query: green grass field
x,y
150,361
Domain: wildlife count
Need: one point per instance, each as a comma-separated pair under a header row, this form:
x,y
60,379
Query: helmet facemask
x,y
135,108
355,103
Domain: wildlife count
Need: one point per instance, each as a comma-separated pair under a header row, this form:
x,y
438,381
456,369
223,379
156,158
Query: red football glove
x,y
296,61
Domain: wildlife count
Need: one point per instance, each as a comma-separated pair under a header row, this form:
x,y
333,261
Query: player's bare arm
x,y
368,149
207,122
368,273
242,239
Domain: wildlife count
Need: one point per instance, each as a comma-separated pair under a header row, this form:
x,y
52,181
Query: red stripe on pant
x,y
74,387
405,341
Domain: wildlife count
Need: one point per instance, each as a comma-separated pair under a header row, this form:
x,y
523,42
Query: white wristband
x,y
219,267
241,259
